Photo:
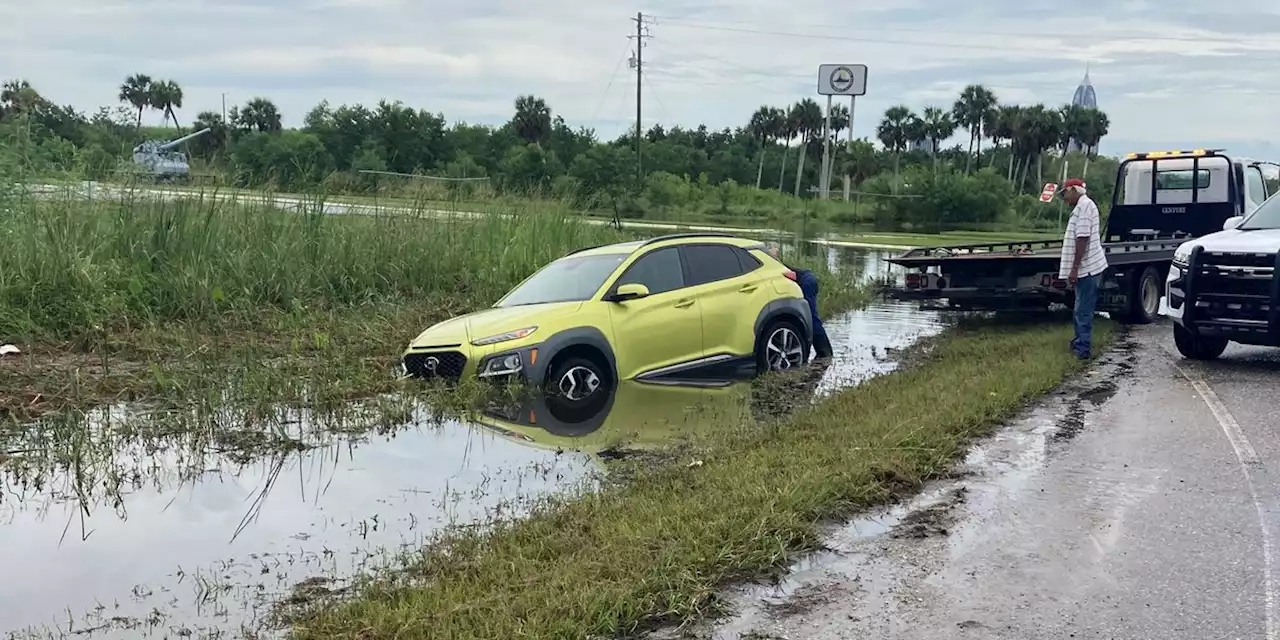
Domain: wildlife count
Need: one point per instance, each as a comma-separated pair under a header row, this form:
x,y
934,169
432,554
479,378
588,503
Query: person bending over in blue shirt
x,y
808,282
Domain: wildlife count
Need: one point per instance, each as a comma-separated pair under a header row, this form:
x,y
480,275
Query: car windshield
x,y
1267,216
565,280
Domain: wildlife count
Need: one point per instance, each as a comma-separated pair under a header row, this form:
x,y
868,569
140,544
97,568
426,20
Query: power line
x,y
595,116
649,83
910,43
966,32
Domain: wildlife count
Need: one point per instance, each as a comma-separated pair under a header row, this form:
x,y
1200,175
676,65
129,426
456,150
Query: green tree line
x,y
769,164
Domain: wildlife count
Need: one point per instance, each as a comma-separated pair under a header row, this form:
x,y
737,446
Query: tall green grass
x,y
72,265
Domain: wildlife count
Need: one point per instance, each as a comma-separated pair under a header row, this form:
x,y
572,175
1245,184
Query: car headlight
x,y
504,337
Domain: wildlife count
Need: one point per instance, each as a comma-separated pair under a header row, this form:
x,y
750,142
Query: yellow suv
x,y
673,307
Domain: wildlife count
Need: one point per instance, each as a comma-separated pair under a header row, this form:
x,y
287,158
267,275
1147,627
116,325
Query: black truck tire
x,y
1144,296
1195,347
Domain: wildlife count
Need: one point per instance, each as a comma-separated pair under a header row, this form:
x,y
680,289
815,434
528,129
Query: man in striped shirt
x,y
1083,261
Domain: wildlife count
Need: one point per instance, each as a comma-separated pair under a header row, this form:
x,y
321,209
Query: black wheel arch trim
x,y
793,309
561,340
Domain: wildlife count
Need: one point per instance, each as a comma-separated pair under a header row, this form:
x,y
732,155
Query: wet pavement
x,y
128,537
1139,501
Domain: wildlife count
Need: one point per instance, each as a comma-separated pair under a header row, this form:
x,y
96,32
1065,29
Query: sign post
x,y
838,80
1047,194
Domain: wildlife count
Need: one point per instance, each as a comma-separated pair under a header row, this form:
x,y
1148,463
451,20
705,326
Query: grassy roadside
x,y
193,300
655,549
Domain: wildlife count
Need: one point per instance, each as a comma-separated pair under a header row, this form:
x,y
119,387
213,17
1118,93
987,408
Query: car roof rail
x,y
677,236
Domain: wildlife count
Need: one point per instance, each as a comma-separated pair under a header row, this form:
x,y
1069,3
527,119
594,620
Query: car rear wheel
x,y
1196,347
781,347
577,388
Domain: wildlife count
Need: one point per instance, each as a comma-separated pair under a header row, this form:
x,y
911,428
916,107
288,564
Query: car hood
x,y
1235,240
492,321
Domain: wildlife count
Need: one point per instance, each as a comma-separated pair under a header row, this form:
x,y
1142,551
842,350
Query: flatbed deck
x,y
1118,253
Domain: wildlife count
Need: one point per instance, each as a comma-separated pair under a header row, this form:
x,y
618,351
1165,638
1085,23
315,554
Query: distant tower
x,y
1084,97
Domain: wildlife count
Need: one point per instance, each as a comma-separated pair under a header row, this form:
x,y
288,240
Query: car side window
x,y
710,263
747,261
1256,187
659,270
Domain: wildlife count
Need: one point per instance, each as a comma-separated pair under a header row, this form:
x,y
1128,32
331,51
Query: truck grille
x,y
1236,289
445,365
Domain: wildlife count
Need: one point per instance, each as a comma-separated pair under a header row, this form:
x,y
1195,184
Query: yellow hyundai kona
x,y
669,308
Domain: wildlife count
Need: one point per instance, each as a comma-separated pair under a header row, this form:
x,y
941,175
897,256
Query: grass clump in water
x,y
654,550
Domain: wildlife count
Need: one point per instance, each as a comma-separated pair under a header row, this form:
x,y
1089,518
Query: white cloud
x,y
1195,74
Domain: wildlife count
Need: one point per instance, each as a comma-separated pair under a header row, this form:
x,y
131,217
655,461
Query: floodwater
x,y
160,538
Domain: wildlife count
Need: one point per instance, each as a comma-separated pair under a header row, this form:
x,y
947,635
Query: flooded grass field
x,y
133,521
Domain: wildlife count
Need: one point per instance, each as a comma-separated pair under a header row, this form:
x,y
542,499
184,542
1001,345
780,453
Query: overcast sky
x,y
1172,73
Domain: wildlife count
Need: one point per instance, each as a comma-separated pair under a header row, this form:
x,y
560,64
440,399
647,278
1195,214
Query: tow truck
x,y
1162,199
1225,287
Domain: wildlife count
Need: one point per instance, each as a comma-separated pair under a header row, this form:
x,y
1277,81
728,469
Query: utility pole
x,y
637,62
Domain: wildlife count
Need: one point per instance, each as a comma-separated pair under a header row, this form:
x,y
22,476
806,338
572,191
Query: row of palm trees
x,y
142,92
1029,130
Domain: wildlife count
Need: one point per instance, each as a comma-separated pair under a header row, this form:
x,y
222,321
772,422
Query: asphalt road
x,y
1141,502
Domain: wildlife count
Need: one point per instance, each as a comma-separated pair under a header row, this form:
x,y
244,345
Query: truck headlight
x,y
1182,256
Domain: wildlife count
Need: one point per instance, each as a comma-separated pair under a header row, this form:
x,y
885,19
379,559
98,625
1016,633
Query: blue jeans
x,y
1086,303
809,287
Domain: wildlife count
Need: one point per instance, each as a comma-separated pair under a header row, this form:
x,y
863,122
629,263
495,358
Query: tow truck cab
x,y
1224,287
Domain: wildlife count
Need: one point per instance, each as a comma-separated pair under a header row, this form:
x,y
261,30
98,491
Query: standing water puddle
x,y
165,538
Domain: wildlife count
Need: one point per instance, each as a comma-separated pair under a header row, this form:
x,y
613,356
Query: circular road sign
x,y
841,79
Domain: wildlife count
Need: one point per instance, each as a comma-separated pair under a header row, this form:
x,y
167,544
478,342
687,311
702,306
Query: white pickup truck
x,y
1225,287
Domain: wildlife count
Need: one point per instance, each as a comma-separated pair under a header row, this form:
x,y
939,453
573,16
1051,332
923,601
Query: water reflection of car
x,y
635,415
680,305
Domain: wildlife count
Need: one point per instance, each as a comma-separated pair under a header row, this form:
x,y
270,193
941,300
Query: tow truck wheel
x,y
1195,347
1144,301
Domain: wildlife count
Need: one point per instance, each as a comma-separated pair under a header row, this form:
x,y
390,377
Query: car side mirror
x,y
1232,222
629,291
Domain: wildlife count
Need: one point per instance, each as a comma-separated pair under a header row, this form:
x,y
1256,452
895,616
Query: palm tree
x,y
136,91
938,126
790,129
894,132
1001,128
761,129
258,114
1037,129
532,120
1096,126
18,96
166,95
972,111
811,122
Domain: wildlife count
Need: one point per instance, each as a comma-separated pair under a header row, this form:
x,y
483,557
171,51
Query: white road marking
x,y
1248,457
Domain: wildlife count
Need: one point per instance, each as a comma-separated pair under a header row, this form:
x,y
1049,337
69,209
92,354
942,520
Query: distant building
x,y
1086,97
923,144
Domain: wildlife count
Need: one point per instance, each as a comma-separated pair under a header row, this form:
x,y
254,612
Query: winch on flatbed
x,y
1157,206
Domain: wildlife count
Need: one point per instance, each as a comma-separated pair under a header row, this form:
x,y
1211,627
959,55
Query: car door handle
x,y
687,302
747,288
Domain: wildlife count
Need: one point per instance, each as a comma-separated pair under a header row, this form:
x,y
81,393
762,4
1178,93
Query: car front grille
x,y
1235,288
446,365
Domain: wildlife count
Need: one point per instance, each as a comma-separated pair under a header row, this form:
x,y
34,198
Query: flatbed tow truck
x,y
1162,199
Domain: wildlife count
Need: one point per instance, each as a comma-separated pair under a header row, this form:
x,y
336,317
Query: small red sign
x,y
1049,189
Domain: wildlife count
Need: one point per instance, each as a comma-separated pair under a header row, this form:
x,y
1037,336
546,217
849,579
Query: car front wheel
x,y
1196,347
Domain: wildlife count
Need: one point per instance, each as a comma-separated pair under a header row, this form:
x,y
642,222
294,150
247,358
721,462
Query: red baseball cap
x,y
1073,182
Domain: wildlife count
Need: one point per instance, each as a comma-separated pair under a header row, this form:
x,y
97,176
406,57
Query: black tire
x,y
1195,347
1144,296
571,394
778,330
